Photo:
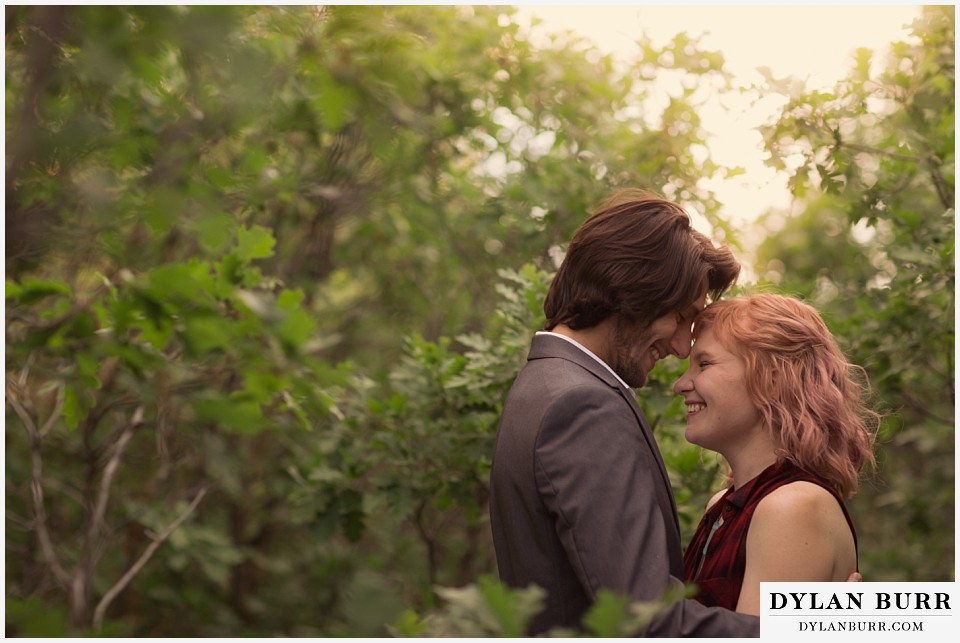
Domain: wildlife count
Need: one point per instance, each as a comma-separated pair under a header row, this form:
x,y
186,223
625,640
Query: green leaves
x,y
230,413
607,616
488,608
30,290
485,609
291,236
76,406
254,243
33,617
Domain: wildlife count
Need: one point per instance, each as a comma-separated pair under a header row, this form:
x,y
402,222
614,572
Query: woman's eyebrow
x,y
699,354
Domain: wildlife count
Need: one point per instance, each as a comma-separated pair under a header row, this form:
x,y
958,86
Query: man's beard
x,y
629,347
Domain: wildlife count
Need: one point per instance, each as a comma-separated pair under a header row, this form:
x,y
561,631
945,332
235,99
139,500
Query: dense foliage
x,y
872,245
271,270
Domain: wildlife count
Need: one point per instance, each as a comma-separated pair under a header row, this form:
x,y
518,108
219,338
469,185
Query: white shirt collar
x,y
587,351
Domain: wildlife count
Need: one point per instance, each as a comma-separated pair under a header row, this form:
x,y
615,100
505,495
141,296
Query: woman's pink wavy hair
x,y
810,397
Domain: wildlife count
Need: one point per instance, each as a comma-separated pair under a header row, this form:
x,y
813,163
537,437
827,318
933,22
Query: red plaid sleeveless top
x,y
719,572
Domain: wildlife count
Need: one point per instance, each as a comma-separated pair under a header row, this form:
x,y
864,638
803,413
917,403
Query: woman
x,y
769,389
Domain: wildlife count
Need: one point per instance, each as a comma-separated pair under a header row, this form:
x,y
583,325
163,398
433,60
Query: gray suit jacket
x,y
581,500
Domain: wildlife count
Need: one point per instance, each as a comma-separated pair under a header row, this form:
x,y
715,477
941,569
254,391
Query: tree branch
x,y
21,412
923,409
54,415
428,542
873,150
944,192
82,580
110,472
36,478
138,565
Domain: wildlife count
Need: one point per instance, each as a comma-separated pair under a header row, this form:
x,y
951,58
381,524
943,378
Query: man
x,y
580,497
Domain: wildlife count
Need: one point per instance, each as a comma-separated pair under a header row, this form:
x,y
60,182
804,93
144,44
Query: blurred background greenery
x,y
270,271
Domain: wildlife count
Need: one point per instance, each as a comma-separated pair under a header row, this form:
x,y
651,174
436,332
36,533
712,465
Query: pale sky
x,y
813,43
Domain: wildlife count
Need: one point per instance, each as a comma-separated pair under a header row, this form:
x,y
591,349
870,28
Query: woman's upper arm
x,y
790,539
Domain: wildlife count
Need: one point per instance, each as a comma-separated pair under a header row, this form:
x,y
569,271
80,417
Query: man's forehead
x,y
691,311
695,307
701,301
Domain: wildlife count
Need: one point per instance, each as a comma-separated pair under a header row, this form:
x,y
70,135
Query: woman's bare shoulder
x,y
715,498
802,506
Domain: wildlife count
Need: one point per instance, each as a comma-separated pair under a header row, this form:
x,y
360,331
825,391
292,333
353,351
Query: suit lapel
x,y
551,346
652,443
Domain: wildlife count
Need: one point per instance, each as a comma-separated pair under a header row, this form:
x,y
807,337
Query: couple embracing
x,y
580,498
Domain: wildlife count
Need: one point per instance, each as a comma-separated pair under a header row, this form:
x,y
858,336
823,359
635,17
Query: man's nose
x,y
681,341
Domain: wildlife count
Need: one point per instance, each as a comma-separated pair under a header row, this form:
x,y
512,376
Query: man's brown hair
x,y
637,256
